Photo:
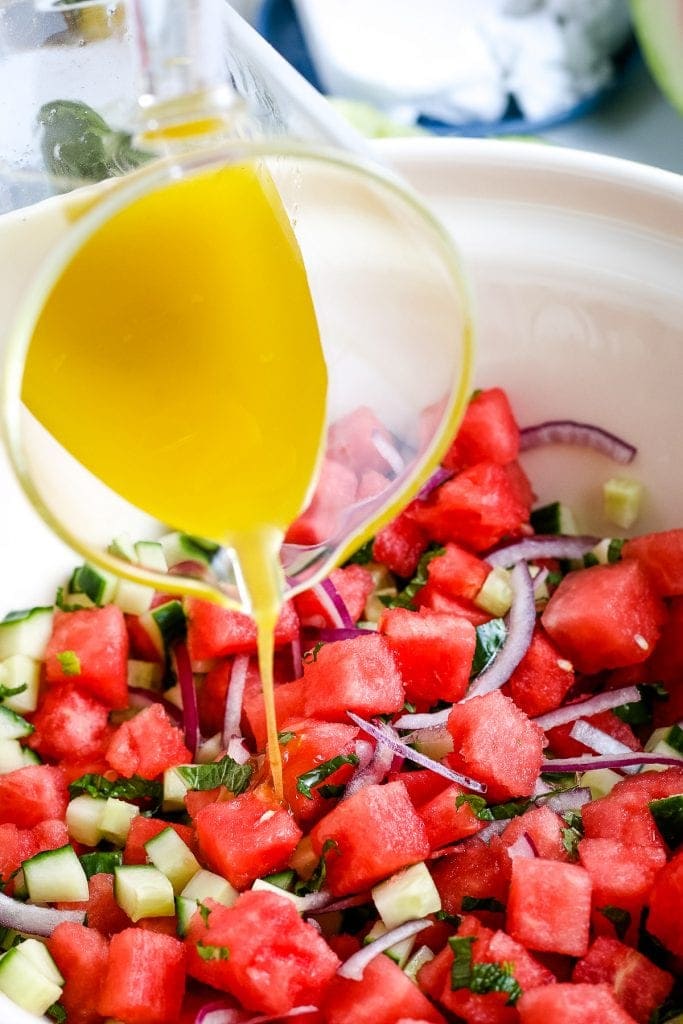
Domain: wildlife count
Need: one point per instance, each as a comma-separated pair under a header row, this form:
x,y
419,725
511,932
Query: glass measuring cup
x,y
394,329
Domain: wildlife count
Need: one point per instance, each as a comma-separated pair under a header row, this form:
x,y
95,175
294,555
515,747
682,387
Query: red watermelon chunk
x,y
104,913
660,555
488,432
32,794
543,827
604,617
478,870
335,492
666,900
246,838
351,441
458,573
382,996
433,651
624,815
563,744
433,598
549,905
147,745
81,955
637,984
496,743
214,631
400,545
542,679
290,702
312,744
96,643
143,829
358,675
273,960
144,981
571,1004
374,833
70,725
354,584
445,821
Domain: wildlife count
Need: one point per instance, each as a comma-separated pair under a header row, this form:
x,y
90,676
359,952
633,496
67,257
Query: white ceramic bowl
x,y
576,265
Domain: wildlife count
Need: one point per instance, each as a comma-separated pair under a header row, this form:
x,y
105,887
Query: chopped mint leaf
x,y
101,862
10,937
470,903
317,879
570,841
330,792
134,788
284,738
490,638
312,655
614,549
11,691
69,662
308,780
620,918
668,815
204,912
56,1012
226,772
443,915
212,952
675,738
477,804
461,969
409,708
363,555
494,812
641,712
495,978
406,597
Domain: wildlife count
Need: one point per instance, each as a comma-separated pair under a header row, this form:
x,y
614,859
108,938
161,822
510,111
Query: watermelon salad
x,y
481,726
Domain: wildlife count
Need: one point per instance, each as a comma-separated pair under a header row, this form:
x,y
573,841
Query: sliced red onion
x,y
297,662
588,435
330,636
25,917
218,1013
586,763
438,477
345,904
567,799
523,846
494,828
138,697
425,721
334,604
541,788
540,578
235,698
354,967
189,695
521,620
389,453
237,750
373,772
541,546
385,734
587,708
599,741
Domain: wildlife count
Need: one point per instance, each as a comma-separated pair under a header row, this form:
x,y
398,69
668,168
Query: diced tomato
x,y
81,955
495,743
433,651
144,981
604,617
273,960
335,492
542,679
214,631
666,899
488,432
370,836
660,555
358,675
478,870
637,984
32,794
400,545
70,725
543,827
247,837
571,1004
98,641
143,829
549,905
458,573
312,744
147,745
383,993
354,584
445,821
476,509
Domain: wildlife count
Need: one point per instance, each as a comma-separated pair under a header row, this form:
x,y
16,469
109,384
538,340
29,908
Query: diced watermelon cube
x,y
543,827
433,598
637,984
335,492
400,545
96,643
143,829
32,794
542,679
313,743
549,905
571,1004
81,955
660,555
354,584
421,785
147,745
458,573
273,960
290,702
476,509
358,675
622,875
666,899
444,821
496,743
70,725
604,617
563,744
382,996
351,441
214,631
624,815
433,651
478,870
488,432
104,913
46,835
374,833
247,837
144,981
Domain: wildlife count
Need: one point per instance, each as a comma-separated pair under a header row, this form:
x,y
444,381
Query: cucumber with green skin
x,y
659,28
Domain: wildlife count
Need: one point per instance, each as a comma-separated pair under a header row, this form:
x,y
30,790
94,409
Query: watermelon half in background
x,y
659,28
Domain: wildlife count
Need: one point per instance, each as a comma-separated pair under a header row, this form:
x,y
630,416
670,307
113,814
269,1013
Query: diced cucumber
x,y
622,498
600,781
145,675
14,756
167,852
25,985
398,953
19,672
410,893
150,555
73,602
20,890
495,595
175,791
435,746
174,696
141,890
9,937
282,879
184,911
95,583
55,876
12,725
116,820
211,749
26,632
264,886
553,518
181,547
422,956
164,624
668,742
133,598
37,953
207,885
122,547
84,819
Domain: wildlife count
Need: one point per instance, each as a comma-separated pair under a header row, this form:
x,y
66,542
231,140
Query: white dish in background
x,y
576,264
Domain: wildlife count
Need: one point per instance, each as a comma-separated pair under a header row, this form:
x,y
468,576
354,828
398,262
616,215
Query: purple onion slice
x,y
189,696
330,636
373,772
587,708
587,762
334,604
599,741
235,698
438,477
522,847
354,967
25,917
219,1013
425,721
541,546
588,435
567,799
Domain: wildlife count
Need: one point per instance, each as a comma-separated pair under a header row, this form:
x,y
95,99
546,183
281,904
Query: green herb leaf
x,y
226,772
284,738
492,812
56,1012
101,862
134,788
11,691
470,903
675,738
490,638
668,815
495,978
443,915
282,879
212,952
310,656
10,937
306,782
204,912
317,879
477,804
614,549
461,969
69,662
363,555
406,597
641,712
571,838
331,792
620,918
